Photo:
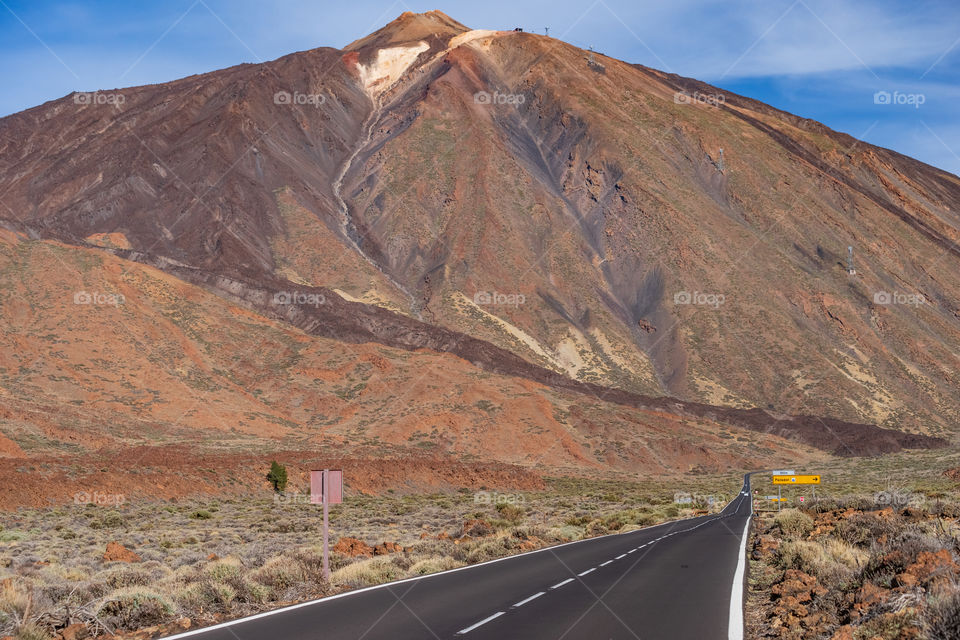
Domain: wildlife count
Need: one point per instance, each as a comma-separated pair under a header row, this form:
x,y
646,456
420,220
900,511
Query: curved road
x,y
678,580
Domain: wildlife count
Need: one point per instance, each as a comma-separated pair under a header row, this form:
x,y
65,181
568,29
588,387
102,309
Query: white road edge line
x,y
482,622
735,626
583,573
560,584
533,597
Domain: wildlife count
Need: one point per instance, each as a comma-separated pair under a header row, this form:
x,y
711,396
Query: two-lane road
x,y
677,580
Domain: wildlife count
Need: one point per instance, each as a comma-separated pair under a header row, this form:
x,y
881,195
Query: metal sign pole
x,y
779,500
326,528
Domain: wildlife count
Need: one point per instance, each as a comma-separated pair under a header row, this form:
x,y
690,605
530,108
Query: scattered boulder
x,y
116,552
476,528
929,567
75,631
385,548
764,546
352,547
867,597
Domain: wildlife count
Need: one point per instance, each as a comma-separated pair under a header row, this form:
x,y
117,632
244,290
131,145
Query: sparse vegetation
x,y
854,567
226,558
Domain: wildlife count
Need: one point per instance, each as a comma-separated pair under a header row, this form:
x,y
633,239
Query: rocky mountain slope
x,y
557,218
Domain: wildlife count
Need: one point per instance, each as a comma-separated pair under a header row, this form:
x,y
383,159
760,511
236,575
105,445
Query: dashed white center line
x,y
560,584
603,564
586,572
482,622
621,556
533,597
631,551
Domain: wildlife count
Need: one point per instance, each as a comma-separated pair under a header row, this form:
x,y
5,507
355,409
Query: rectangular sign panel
x,y
335,495
796,479
783,472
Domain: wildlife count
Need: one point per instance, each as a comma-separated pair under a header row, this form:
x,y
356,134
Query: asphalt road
x,y
674,581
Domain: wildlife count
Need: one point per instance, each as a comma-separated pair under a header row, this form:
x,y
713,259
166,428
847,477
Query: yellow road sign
x,y
796,479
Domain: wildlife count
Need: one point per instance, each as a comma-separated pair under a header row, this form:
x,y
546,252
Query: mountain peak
x,y
410,27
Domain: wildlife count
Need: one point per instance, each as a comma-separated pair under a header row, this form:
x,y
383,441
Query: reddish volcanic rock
x,y
929,567
352,547
385,548
116,552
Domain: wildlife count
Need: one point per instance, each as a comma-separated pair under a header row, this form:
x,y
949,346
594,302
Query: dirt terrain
x,y
103,397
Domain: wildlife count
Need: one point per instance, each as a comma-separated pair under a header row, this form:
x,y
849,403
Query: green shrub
x,y
278,476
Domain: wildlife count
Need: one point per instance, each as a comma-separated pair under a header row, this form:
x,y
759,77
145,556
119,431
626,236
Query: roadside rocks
x,y
352,548
931,569
764,546
793,598
858,574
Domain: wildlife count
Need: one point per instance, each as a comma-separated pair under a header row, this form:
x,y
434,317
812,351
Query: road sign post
x,y
326,487
326,525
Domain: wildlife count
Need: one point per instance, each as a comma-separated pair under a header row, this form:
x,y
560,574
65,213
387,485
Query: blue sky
x,y
821,59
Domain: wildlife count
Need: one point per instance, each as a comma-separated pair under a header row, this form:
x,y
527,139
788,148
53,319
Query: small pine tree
x,y
278,476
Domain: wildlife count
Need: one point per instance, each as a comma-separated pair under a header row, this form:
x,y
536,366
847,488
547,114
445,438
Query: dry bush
x,y
865,528
794,523
134,607
942,617
14,602
433,565
31,631
367,572
834,562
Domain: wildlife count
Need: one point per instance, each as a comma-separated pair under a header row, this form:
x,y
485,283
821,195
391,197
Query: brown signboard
x,y
334,489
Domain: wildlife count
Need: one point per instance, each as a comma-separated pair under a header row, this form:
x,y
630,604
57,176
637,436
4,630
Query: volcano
x,y
473,245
